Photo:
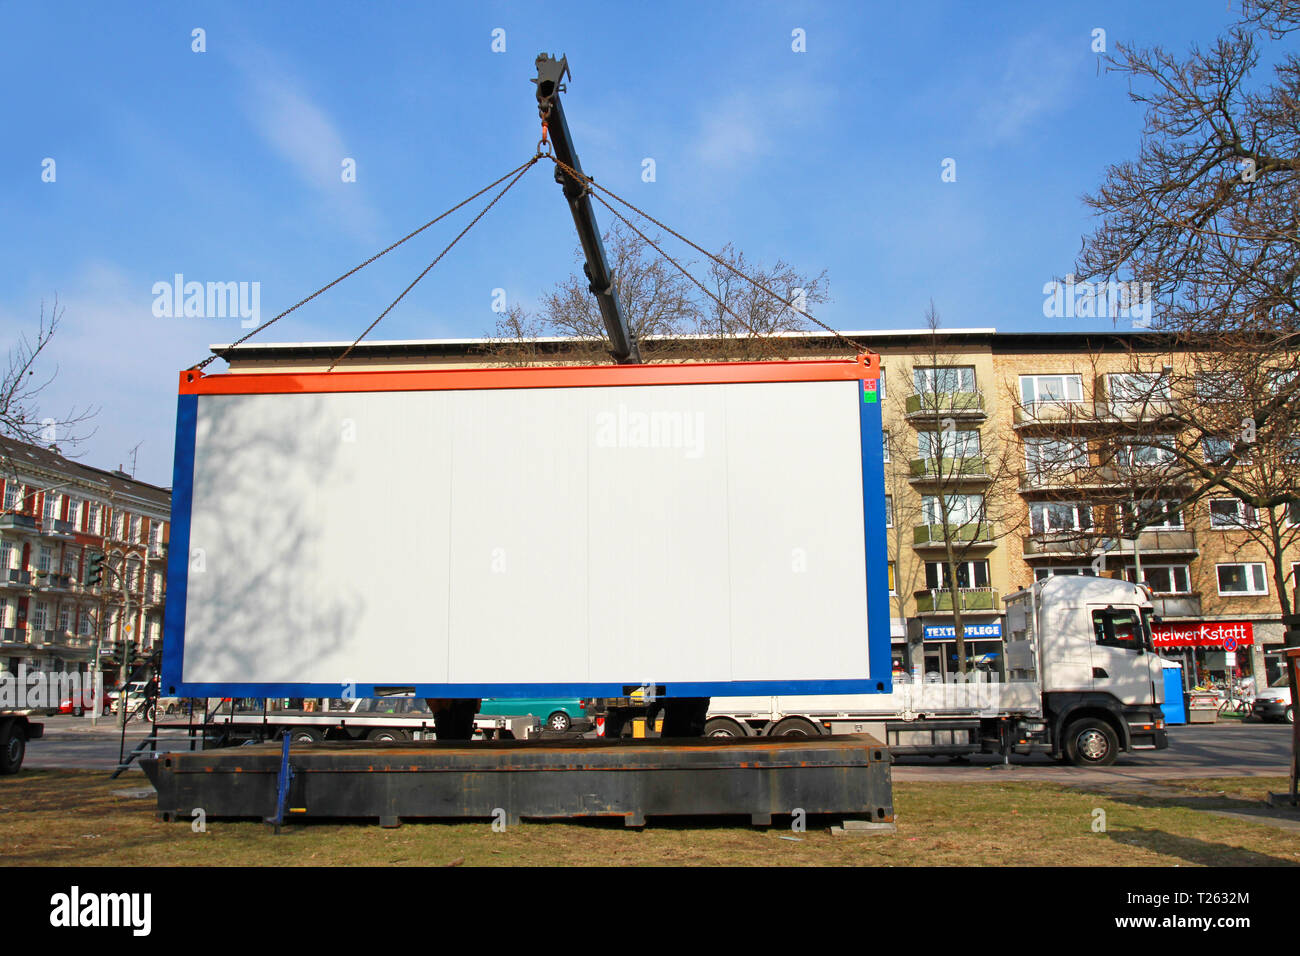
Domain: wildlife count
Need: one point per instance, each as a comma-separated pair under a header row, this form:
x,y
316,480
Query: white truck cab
x,y
1089,639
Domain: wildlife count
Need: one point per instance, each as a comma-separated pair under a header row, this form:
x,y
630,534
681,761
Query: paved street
x,y
1228,749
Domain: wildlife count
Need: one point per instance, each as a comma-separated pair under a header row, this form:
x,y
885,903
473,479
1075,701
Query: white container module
x,y
700,529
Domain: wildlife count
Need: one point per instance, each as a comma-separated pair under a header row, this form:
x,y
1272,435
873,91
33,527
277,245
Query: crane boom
x,y
550,74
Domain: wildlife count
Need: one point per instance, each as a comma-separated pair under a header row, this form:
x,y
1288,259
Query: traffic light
x,y
95,570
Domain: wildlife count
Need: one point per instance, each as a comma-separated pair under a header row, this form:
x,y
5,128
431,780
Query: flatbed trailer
x,y
305,726
508,781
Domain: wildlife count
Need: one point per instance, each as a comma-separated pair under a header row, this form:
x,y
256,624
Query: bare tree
x,y
1207,220
722,316
21,419
967,482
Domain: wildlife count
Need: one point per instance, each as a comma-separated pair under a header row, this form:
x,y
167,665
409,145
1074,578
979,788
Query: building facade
x,y
975,422
56,516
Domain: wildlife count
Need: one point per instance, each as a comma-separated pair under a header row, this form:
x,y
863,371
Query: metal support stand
x,y
283,780
1004,738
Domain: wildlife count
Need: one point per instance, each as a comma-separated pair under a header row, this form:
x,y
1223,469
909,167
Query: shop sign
x,y
1228,635
948,632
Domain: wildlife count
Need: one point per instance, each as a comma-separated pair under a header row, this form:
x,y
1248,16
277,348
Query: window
x,y
1042,574
1137,388
1146,454
1293,513
970,574
65,618
893,587
40,616
70,556
885,446
92,517
117,525
948,444
6,555
135,529
889,511
4,612
74,512
962,509
48,511
155,537
11,495
44,559
1163,578
1232,513
83,623
1157,514
1118,627
1046,389
944,381
1052,455
133,574
1242,579
1046,517
1219,387
1218,450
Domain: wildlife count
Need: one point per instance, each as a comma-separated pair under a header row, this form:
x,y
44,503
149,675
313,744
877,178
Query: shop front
x,y
983,641
1213,653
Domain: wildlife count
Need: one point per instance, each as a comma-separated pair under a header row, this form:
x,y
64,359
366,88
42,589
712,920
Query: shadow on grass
x,y
1192,850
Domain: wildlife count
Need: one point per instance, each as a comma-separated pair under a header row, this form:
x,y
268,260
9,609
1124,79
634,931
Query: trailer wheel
x,y
723,727
795,727
559,722
1091,742
13,746
388,734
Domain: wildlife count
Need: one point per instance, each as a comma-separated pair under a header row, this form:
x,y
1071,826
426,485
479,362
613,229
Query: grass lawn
x,y
72,818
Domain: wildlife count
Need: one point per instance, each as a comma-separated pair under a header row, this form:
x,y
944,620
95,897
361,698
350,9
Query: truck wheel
x,y
13,746
78,711
1290,715
723,727
305,735
388,734
1091,742
559,722
795,727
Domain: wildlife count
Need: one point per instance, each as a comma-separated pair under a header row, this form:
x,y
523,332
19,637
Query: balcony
x,y
1064,544
1162,541
43,636
1087,543
1177,605
158,552
959,405
1052,413
56,528
1148,412
50,581
969,599
955,470
19,579
16,522
13,635
932,535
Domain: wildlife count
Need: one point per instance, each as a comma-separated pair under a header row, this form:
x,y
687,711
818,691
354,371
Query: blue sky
x,y
225,165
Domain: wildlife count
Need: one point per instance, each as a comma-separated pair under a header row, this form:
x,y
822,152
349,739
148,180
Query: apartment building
x,y
57,515
978,424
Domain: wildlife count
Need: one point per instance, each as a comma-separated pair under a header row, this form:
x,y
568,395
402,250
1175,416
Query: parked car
x,y
556,713
78,704
1274,702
